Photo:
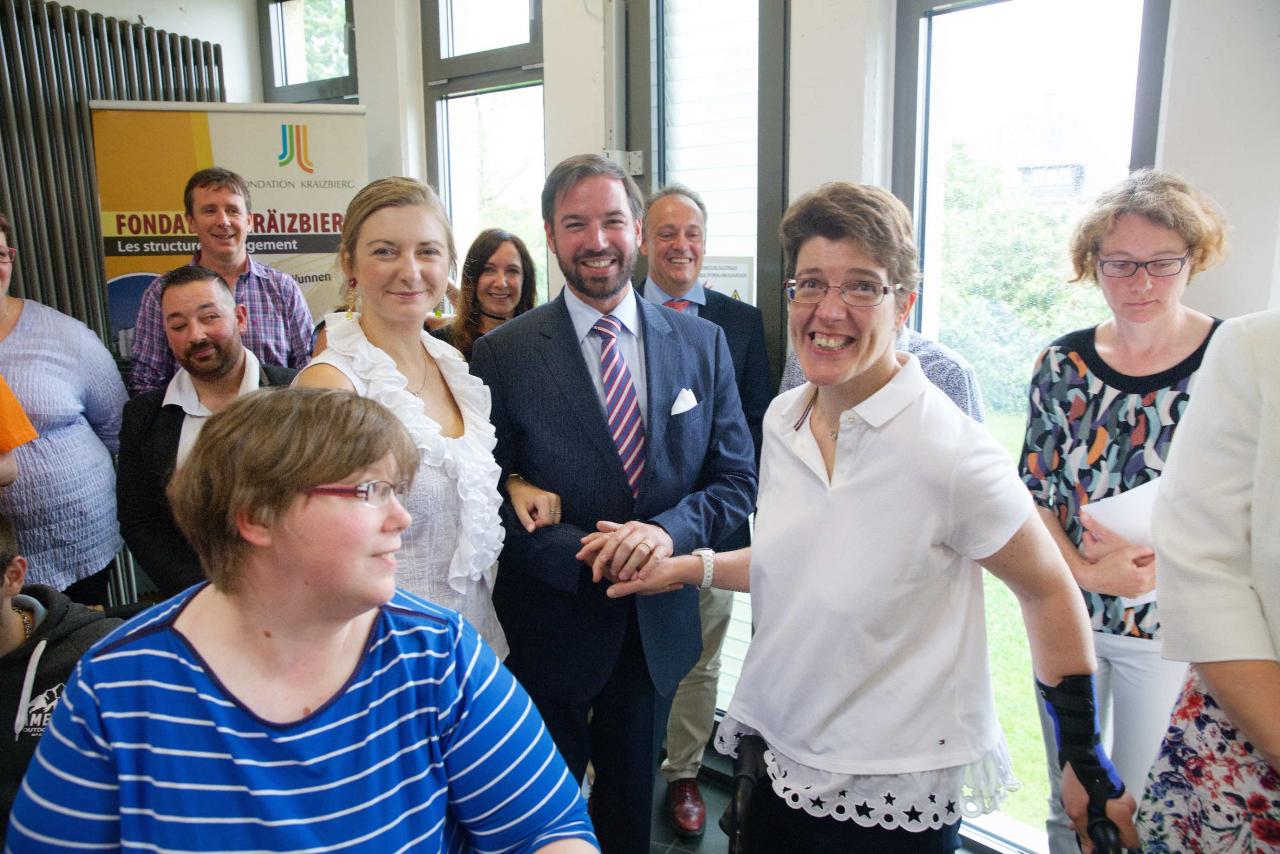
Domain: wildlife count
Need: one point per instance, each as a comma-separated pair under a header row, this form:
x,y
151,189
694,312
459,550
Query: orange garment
x,y
15,427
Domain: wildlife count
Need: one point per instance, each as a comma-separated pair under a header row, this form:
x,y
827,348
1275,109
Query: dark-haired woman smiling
x,y
498,283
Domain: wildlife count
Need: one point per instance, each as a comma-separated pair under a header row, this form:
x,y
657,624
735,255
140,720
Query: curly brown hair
x,y
1163,198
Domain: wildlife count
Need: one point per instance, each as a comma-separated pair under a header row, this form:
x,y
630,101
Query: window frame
x,y
334,90
645,120
444,77
911,91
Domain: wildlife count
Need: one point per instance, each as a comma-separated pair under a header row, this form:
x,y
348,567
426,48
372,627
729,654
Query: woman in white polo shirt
x,y
867,676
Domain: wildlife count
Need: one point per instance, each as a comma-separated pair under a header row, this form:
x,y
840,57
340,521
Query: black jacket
x,y
149,434
67,630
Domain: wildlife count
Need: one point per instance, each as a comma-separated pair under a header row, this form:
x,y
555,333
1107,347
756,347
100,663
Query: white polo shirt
x,y
870,655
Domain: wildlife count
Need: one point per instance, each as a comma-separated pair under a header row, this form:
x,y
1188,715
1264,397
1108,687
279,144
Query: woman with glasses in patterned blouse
x,y
1105,403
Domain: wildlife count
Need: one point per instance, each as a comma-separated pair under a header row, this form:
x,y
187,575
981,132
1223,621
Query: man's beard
x,y
211,371
598,287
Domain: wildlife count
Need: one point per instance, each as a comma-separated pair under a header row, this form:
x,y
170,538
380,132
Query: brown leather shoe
x,y
685,809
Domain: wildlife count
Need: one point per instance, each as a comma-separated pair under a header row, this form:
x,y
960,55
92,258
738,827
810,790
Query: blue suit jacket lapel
x,y
661,364
562,358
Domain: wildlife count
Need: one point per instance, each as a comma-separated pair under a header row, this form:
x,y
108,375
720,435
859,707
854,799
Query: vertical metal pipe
x,y
138,47
15,197
126,58
70,300
151,46
204,55
189,70
166,67
82,207
35,149
88,44
116,57
175,64
106,74
220,94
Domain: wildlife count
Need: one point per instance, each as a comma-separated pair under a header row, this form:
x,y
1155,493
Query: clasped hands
x,y
1117,566
628,552
619,552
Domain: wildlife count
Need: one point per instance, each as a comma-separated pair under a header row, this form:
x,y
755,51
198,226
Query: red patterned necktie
x,y
621,405
677,304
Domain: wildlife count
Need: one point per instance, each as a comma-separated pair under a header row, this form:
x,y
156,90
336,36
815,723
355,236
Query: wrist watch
x,y
708,566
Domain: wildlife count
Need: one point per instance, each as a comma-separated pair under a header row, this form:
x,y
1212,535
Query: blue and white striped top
x,y
431,745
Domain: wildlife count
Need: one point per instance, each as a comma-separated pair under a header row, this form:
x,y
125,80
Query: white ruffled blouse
x,y
465,461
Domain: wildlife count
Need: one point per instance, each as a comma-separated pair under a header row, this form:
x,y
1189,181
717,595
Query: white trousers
x,y
1136,690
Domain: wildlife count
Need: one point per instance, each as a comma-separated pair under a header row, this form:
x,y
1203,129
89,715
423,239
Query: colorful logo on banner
x,y
293,146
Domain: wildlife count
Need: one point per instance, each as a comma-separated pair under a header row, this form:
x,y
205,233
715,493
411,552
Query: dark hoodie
x,y
32,678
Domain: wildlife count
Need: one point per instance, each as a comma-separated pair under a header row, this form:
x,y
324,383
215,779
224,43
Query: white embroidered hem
x,y
923,800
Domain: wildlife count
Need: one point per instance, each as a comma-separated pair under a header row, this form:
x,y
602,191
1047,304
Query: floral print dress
x,y
1209,790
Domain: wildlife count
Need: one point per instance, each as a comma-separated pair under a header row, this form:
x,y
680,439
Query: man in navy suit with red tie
x,y
630,414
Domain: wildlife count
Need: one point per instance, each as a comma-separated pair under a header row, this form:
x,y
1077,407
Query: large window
x,y
1026,111
308,51
710,96
483,66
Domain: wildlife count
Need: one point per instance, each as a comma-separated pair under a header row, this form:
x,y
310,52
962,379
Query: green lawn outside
x,y
1011,675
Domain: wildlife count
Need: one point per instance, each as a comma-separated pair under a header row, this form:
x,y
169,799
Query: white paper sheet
x,y
1129,515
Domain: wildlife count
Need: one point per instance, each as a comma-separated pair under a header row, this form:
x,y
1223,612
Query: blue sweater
x,y
431,745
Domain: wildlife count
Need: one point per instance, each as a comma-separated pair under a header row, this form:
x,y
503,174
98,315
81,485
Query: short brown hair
x,y
257,455
872,218
466,326
6,228
8,542
1163,198
219,179
395,192
571,170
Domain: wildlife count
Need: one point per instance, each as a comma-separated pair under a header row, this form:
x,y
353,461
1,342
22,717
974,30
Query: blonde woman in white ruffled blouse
x,y
396,253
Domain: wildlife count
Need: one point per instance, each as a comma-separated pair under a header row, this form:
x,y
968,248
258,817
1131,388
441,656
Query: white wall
x,y
389,65
1219,129
573,92
230,23
841,93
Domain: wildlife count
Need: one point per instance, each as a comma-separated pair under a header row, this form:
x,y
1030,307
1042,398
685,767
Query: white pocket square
x,y
684,401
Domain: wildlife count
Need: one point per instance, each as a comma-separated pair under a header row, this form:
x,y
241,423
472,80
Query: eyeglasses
x,y
856,294
8,255
375,493
1155,267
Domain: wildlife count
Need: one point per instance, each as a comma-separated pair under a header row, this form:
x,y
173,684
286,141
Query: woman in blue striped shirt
x,y
298,701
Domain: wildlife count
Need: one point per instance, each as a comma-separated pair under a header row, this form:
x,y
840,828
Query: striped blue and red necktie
x,y
622,408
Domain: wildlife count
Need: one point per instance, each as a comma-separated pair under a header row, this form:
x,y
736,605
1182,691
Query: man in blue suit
x,y
629,412
675,239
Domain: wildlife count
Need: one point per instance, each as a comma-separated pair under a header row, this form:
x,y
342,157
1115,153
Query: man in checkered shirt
x,y
279,333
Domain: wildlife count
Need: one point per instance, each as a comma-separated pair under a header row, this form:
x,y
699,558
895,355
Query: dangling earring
x,y
351,298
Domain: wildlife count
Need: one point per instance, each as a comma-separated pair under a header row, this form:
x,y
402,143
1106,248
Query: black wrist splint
x,y
1075,726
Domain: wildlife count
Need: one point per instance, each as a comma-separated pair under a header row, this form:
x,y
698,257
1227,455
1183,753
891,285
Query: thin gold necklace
x,y
423,384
